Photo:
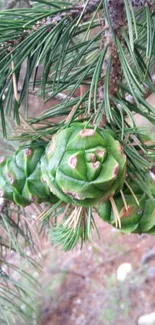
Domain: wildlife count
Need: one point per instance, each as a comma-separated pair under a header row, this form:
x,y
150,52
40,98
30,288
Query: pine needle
x,y
116,213
132,192
124,200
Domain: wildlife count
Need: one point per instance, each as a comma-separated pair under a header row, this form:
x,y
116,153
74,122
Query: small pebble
x,y
77,301
148,319
123,271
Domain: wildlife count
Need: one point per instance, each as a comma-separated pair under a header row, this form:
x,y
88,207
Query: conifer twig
x,y
117,17
84,10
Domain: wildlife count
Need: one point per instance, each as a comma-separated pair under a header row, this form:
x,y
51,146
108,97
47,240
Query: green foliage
x,y
57,38
138,217
16,296
72,51
18,288
76,226
20,176
82,165
69,57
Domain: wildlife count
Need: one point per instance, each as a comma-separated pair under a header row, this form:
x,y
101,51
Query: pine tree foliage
x,y
102,48
97,58
17,245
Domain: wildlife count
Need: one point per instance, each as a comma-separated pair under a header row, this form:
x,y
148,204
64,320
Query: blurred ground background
x,y
81,287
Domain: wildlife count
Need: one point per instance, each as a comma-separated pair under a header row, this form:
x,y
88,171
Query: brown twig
x,y
116,10
118,19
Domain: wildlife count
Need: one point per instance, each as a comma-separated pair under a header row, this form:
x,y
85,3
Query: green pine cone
x,y
83,166
80,165
20,177
137,218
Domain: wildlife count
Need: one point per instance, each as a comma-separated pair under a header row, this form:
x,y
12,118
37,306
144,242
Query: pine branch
x,y
111,68
17,287
76,11
116,12
81,11
115,20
